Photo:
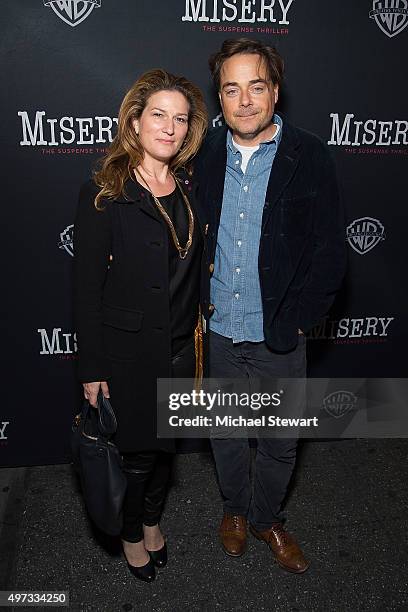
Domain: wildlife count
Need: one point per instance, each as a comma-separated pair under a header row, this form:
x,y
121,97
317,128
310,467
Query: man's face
x,y
247,98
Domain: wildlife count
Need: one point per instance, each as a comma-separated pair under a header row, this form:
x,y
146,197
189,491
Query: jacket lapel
x,y
284,166
189,188
135,195
215,169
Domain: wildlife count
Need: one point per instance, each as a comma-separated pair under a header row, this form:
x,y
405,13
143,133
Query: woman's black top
x,y
184,274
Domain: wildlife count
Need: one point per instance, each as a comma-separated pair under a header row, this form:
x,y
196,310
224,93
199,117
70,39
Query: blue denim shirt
x,y
235,286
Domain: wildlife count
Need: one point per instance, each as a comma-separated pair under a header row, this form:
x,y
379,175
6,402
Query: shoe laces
x,y
236,521
278,530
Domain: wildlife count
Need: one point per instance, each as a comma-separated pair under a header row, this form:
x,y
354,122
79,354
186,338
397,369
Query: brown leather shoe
x,y
286,550
233,534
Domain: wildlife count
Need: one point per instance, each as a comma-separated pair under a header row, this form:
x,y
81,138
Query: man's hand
x,y
91,391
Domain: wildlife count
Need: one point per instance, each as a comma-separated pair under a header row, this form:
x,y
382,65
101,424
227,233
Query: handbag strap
x,y
107,423
97,422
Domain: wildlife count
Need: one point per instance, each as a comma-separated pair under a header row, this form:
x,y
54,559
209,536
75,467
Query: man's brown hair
x,y
273,61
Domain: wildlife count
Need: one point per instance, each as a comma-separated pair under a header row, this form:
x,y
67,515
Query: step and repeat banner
x,y
66,66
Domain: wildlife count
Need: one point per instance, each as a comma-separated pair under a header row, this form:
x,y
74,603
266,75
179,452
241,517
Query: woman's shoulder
x,y
87,194
89,189
87,210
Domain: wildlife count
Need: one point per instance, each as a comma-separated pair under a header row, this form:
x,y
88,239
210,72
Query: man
x,y
277,252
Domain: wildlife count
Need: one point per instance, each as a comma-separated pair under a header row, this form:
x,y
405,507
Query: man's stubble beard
x,y
254,133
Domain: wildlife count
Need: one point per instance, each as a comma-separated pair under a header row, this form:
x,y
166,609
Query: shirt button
x,y
237,162
237,296
237,270
246,188
241,215
239,243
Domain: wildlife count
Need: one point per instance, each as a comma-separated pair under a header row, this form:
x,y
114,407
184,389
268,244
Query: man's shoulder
x,y
311,139
310,142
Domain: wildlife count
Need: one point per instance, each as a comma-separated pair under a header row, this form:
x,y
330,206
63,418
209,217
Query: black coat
x,y
302,250
121,305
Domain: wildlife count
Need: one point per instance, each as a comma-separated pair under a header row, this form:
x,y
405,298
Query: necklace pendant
x,y
183,253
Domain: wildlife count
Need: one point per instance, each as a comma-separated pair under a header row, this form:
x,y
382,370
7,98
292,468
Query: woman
x,y
138,259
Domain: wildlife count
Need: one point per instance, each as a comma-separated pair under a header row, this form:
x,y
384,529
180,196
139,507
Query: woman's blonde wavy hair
x,y
126,151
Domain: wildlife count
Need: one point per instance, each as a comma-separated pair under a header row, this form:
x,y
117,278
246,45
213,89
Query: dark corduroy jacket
x,y
302,250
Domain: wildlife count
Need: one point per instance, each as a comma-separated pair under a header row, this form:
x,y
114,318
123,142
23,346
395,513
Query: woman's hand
x,y
91,391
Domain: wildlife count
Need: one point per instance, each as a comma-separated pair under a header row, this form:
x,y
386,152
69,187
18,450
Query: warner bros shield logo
x,y
339,403
72,12
391,16
364,234
67,243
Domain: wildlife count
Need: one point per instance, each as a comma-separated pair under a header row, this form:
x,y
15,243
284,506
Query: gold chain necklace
x,y
181,250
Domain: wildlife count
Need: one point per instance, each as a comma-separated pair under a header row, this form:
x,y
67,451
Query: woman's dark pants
x,y
148,472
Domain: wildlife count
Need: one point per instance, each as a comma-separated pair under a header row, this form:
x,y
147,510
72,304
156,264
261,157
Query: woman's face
x,y
163,125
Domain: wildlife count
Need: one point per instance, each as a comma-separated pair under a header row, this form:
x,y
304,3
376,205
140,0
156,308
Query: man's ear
x,y
276,92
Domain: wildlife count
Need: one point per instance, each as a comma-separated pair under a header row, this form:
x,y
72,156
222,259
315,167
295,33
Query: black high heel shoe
x,y
159,557
147,572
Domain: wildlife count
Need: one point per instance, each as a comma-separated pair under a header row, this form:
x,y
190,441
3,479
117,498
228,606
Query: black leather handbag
x,y
99,464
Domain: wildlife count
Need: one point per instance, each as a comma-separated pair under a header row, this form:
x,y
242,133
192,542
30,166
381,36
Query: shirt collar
x,y
276,119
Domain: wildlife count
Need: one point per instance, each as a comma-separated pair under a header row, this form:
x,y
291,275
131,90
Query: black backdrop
x,y
67,65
